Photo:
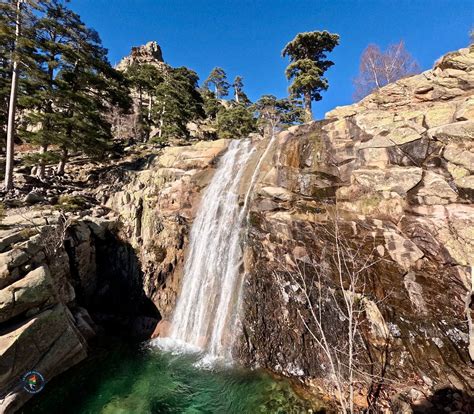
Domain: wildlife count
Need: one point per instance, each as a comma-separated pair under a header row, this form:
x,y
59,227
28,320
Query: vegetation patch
x,y
71,203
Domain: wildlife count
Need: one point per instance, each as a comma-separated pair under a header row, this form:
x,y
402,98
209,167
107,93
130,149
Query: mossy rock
x,y
71,203
323,192
255,220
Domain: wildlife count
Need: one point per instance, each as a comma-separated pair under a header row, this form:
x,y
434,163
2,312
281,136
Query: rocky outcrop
x,y
39,323
396,170
148,54
59,287
156,206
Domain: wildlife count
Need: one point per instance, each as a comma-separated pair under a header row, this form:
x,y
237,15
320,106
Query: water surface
x,y
129,379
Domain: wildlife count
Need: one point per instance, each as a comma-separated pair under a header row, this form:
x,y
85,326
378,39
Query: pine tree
x,y
274,114
177,102
308,63
16,54
75,84
235,122
218,79
212,106
239,94
144,79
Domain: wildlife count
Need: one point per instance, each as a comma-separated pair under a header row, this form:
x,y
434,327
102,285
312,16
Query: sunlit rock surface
x,y
397,167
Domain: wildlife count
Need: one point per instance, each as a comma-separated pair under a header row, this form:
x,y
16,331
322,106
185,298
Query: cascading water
x,y
207,309
205,313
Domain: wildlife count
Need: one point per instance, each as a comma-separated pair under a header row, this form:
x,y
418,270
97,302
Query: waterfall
x,y
206,311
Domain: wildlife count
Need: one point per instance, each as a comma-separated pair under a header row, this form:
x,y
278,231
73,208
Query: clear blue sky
x,y
245,37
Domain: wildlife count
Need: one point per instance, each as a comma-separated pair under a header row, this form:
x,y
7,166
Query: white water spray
x,y
207,309
204,314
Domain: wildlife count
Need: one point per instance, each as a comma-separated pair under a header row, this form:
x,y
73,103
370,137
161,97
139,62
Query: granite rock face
x,y
157,206
396,169
38,307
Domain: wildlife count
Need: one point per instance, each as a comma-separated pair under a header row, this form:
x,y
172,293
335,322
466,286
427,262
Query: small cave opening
x,y
118,302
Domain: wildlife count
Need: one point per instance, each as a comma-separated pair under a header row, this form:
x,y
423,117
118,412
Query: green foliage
x,y
308,63
237,121
71,203
144,79
239,94
177,102
218,79
168,100
212,106
48,157
274,114
24,51
67,86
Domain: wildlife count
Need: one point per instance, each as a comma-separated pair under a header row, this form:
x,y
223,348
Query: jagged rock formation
x,y
41,325
149,54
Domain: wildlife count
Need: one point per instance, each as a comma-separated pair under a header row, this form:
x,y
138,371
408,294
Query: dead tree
x,y
379,68
330,290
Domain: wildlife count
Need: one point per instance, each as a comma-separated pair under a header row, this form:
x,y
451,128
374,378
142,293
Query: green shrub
x,y
71,203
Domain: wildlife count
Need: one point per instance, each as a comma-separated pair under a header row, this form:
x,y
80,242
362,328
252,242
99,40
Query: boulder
x,y
466,183
457,132
33,197
396,179
465,111
48,343
35,290
434,190
460,155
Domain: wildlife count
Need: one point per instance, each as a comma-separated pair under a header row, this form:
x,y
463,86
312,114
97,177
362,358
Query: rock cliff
x,y
41,324
395,168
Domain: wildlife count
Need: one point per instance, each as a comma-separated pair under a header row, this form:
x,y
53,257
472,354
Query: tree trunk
x,y
162,121
40,171
12,106
237,96
62,162
149,108
308,117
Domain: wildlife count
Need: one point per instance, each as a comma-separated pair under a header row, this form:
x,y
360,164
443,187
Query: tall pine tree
x,y
75,85
17,55
308,63
218,79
